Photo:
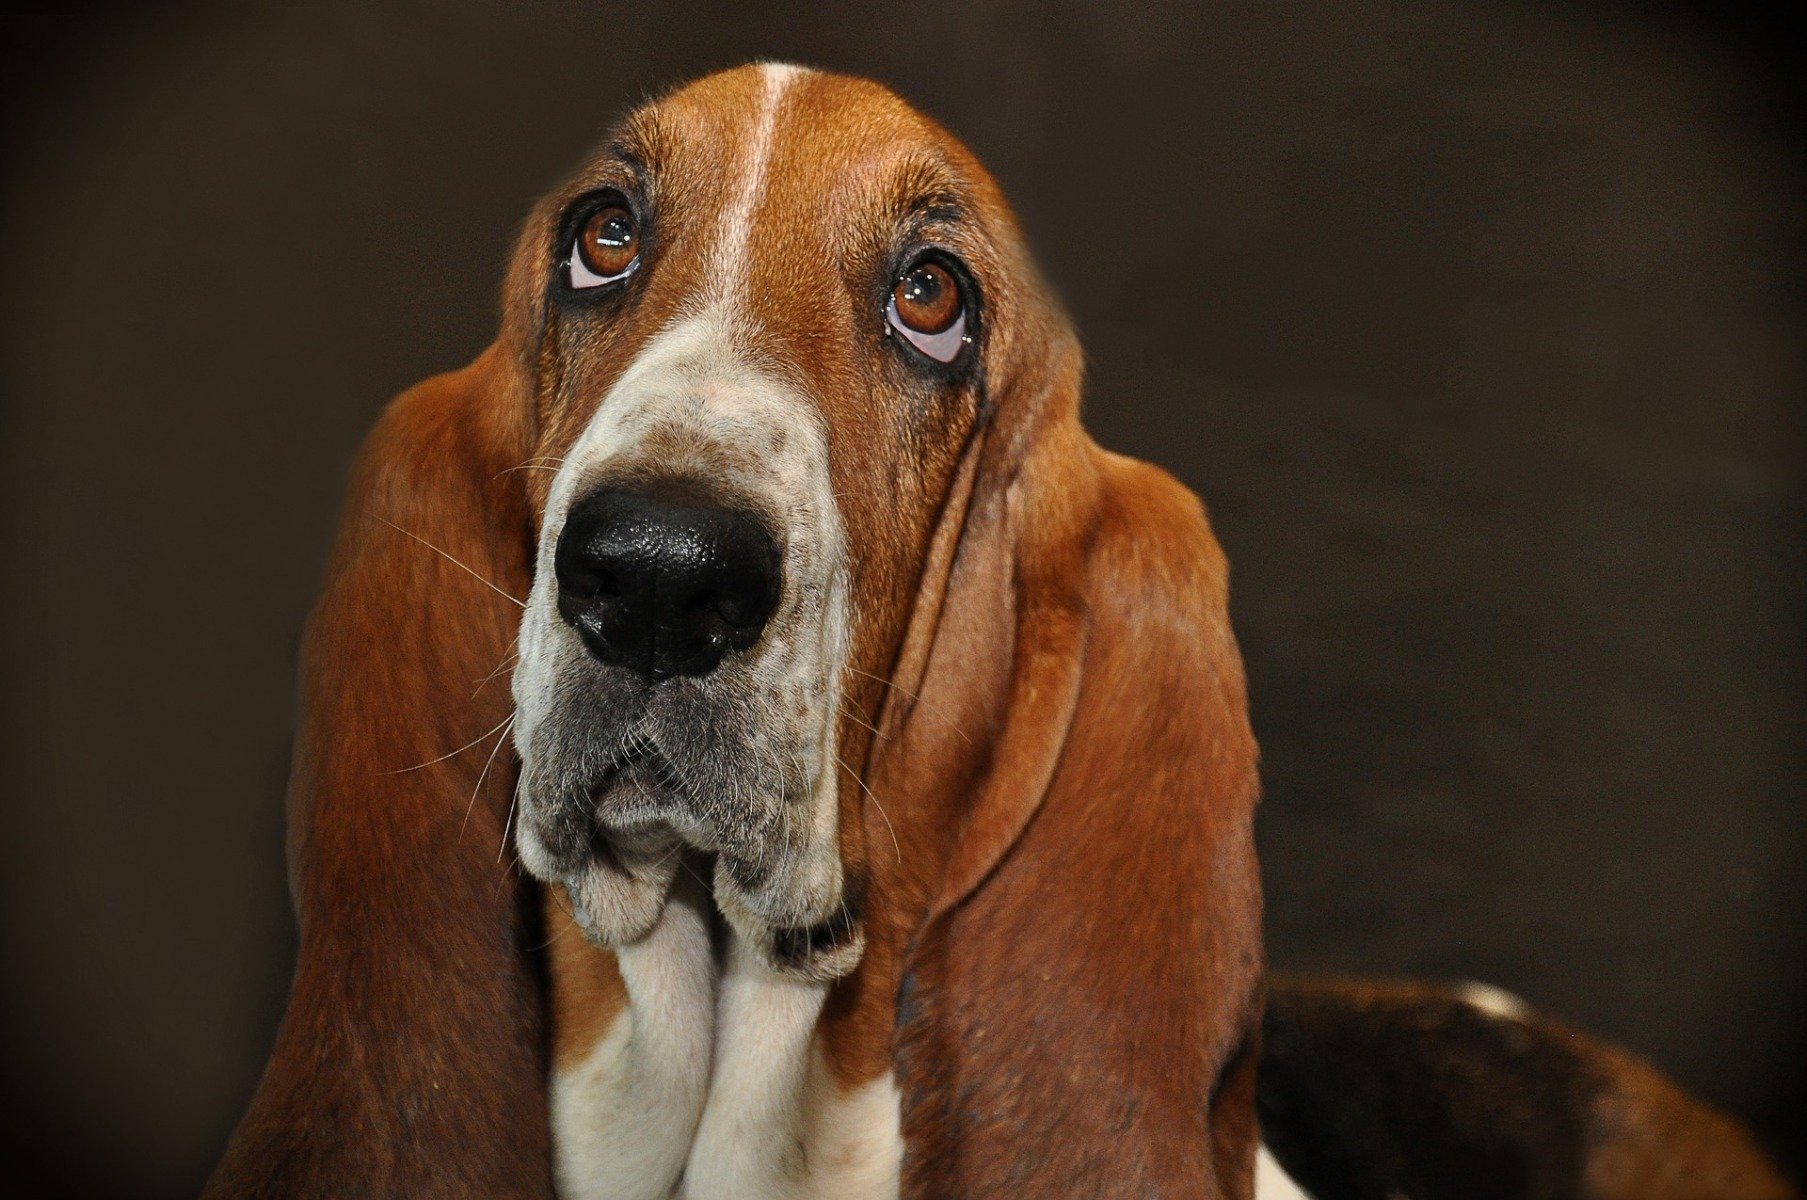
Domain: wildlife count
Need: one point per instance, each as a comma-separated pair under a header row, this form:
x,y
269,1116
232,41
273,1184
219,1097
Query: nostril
x,y
588,583
740,611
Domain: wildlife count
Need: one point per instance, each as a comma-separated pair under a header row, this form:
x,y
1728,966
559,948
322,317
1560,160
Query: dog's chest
x,y
711,1082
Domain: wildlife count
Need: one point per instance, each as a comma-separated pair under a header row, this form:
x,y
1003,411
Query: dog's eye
x,y
927,308
607,248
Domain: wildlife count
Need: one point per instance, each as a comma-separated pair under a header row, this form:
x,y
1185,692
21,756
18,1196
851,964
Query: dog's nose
x,y
664,584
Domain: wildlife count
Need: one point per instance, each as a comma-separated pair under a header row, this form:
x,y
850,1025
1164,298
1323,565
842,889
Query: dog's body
x,y
1374,1090
881,747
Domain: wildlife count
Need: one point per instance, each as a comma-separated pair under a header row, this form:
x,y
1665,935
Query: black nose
x,y
664,584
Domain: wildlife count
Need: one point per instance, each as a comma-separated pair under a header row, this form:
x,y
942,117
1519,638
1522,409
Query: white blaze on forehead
x,y
728,262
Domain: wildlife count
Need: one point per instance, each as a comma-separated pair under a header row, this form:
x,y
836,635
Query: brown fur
x,y
1045,710
587,991
410,1058
1653,1141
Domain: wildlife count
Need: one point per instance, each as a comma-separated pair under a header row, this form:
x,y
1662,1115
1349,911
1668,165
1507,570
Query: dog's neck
x,y
715,1078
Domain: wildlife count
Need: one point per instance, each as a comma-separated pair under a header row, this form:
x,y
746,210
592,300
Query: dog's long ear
x,y
1077,1013
410,1060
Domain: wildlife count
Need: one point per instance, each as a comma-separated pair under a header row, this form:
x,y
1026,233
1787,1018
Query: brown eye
x,y
927,298
607,248
927,309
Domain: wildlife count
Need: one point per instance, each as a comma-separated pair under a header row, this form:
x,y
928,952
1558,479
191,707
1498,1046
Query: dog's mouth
x,y
639,787
618,841
621,789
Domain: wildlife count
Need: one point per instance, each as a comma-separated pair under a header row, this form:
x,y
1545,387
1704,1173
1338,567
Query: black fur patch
x,y
1365,1098
796,947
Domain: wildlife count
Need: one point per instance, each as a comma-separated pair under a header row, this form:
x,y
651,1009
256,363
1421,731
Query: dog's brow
x,y
926,191
938,210
615,165
651,132
628,156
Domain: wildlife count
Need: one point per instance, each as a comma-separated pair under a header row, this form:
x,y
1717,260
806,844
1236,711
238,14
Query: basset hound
x,y
873,745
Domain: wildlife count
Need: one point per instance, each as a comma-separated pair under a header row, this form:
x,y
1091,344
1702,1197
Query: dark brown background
x,y
1479,326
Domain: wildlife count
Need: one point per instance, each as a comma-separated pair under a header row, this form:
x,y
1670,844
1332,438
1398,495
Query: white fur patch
x,y
1495,1002
773,1123
623,1119
1271,1180
737,217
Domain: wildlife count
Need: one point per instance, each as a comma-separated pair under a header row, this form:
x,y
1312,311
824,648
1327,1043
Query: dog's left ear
x,y
1078,1011
411,1059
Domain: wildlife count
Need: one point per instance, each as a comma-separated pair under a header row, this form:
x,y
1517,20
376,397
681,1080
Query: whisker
x,y
881,808
539,462
896,687
548,943
502,878
846,913
484,736
570,923
855,717
484,774
684,866
904,691
513,803
507,661
467,570
677,848
525,467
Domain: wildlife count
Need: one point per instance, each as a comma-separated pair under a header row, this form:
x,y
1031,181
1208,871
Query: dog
x,y
879,742
874,745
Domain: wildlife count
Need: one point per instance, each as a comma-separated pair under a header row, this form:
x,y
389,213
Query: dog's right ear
x,y
411,1059
1067,751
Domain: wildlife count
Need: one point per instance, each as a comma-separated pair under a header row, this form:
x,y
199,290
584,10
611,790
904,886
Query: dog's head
x,y
774,309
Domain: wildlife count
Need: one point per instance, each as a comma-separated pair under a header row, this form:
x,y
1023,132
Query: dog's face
x,y
769,305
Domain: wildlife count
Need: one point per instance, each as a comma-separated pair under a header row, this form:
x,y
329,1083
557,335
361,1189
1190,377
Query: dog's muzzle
x,y
677,693
666,722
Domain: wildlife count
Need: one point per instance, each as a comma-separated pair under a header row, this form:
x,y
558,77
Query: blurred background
x,y
1479,327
